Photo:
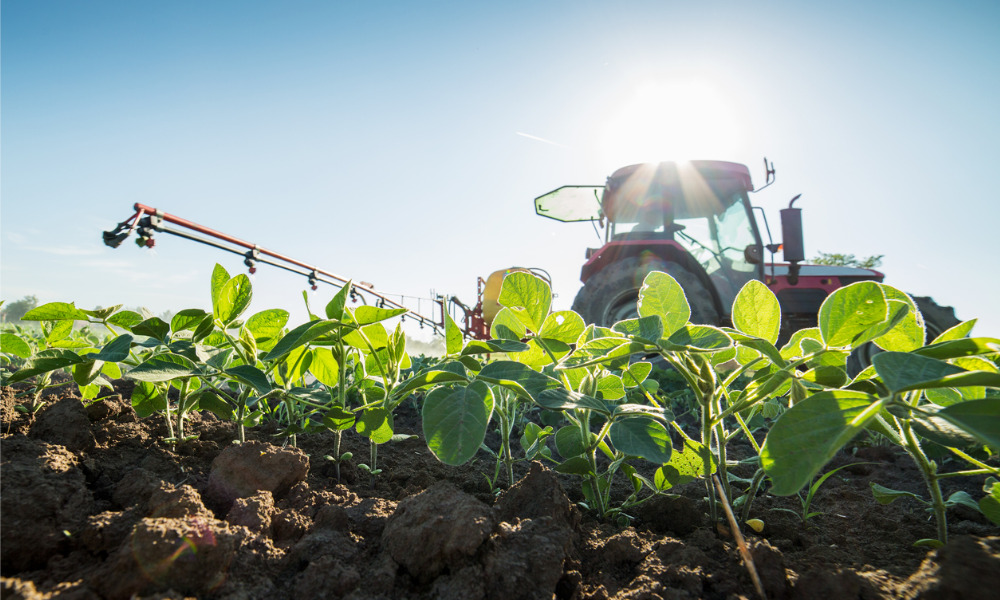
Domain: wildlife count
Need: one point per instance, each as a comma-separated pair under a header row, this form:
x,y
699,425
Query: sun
x,y
673,120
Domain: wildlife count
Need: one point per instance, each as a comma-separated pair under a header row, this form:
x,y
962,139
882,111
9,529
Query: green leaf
x,y
376,425
647,330
251,376
455,421
153,327
909,333
335,307
832,377
633,410
114,351
11,344
957,332
366,315
125,319
521,379
758,345
147,399
661,296
295,364
990,503
959,348
904,371
884,495
559,398
102,314
848,314
645,438
266,327
528,296
810,433
189,318
490,346
233,298
111,370
55,311
211,402
301,335
610,387
324,367
694,461
44,362
368,337
57,331
338,419
577,465
636,373
569,441
793,349
433,377
564,326
506,326
941,431
756,311
699,338
219,278
84,373
163,367
453,338
980,418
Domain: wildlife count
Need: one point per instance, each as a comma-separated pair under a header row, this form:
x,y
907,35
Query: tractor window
x,y
717,242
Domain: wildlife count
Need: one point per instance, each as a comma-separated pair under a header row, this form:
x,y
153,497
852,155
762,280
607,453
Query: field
x,y
216,457
142,519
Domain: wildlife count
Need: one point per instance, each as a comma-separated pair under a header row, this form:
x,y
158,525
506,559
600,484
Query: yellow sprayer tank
x,y
491,292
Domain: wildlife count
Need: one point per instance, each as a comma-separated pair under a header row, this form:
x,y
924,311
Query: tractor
x,y
694,221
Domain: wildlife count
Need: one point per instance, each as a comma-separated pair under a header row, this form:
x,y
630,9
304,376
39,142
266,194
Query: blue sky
x,y
403,143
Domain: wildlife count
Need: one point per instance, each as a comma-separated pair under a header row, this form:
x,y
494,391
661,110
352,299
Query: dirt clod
x,y
243,470
444,523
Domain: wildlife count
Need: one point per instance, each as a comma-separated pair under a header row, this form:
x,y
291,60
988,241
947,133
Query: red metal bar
x,y
169,218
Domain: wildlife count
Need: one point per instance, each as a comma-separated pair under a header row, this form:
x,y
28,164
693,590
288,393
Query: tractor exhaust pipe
x,y
792,242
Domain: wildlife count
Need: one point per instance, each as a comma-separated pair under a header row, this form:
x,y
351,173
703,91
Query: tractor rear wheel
x,y
611,294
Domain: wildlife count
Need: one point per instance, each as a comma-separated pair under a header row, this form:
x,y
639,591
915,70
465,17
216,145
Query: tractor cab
x,y
696,214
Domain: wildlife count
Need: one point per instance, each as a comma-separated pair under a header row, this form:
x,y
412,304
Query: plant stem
x,y
929,470
374,460
706,440
758,478
336,453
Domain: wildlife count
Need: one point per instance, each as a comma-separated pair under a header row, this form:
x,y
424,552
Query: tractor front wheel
x,y
611,294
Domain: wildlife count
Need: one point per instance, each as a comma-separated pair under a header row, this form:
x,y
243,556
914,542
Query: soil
x,y
95,505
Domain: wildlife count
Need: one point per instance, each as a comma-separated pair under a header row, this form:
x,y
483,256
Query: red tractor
x,y
694,221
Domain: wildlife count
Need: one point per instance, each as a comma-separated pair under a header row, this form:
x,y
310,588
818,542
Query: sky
x,y
403,143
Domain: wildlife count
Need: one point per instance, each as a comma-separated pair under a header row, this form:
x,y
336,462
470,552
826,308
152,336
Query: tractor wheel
x,y
611,295
937,320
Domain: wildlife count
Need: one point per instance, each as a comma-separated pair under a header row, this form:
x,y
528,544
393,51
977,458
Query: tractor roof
x,y
688,189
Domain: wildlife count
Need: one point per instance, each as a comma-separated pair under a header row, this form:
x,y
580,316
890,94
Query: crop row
x,y
577,396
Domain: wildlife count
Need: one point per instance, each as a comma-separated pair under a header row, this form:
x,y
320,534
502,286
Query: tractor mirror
x,y
753,254
792,243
